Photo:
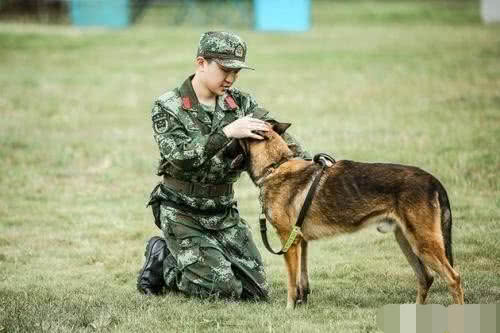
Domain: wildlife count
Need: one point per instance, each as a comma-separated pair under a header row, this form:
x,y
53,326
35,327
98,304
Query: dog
x,y
350,196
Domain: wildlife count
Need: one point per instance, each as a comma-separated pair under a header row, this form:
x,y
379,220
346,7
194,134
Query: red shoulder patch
x,y
230,102
186,102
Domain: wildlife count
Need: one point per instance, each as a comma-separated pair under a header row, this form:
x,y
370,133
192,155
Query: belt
x,y
197,189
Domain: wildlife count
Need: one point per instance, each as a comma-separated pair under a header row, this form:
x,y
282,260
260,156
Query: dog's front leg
x,y
293,267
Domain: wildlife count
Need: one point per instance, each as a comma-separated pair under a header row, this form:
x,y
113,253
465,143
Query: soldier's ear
x,y
280,128
200,63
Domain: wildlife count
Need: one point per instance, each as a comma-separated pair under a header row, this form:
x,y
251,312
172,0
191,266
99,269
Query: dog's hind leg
x,y
424,277
436,259
303,284
292,260
429,245
432,253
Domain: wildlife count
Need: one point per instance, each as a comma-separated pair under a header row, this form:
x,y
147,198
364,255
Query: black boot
x,y
150,280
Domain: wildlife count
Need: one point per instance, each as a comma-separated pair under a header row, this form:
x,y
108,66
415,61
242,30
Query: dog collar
x,y
270,169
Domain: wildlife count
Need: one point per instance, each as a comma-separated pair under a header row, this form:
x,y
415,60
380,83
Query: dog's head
x,y
260,154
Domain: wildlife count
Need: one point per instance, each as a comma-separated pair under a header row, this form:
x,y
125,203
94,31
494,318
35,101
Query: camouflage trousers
x,y
211,263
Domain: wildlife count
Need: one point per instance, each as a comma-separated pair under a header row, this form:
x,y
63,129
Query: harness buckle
x,y
321,157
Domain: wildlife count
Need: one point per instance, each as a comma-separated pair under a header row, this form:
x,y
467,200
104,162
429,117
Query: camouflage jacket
x,y
193,146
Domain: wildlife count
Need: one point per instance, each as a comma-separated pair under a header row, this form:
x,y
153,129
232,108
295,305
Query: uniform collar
x,y
188,96
190,101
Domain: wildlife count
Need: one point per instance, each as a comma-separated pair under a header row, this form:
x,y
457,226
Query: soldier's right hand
x,y
245,127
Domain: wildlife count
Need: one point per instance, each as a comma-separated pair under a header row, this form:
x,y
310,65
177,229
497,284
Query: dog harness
x,y
321,159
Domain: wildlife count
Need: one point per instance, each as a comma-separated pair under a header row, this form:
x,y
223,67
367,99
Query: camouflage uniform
x,y
212,252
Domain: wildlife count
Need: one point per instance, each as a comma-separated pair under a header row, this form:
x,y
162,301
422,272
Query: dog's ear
x,y
233,149
263,134
244,146
280,128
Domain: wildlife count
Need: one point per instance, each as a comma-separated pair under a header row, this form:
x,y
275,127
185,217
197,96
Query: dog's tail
x,y
446,220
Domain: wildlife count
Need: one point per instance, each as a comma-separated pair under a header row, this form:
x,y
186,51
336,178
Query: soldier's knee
x,y
210,276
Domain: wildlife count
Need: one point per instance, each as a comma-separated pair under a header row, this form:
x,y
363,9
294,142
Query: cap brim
x,y
233,64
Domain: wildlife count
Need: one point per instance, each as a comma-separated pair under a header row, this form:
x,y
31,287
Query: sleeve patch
x,y
160,123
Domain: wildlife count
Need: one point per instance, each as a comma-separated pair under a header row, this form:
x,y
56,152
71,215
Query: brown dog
x,y
350,196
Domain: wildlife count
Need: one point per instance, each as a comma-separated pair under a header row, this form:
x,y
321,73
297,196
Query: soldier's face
x,y
219,78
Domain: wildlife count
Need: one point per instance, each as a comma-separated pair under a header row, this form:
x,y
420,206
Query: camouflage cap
x,y
226,48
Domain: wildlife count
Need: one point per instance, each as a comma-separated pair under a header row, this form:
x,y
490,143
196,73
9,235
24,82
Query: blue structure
x,y
103,13
282,15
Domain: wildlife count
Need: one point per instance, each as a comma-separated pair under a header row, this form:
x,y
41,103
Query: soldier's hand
x,y
245,127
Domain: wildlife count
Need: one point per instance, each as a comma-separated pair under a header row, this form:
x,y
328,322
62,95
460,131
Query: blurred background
x,y
403,81
259,14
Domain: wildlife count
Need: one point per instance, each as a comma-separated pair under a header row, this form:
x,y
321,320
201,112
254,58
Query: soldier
x,y
207,249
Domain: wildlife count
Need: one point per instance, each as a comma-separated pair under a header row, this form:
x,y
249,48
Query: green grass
x,y
372,81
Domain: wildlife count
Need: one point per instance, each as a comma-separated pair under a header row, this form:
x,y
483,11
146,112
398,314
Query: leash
x,y
320,159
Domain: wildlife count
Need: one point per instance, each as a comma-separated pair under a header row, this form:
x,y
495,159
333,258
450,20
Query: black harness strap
x,y
321,159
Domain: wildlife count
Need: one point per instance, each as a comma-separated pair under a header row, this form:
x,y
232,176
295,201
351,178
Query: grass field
x,y
405,82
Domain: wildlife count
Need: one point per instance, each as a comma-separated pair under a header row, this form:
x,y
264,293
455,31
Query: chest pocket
x,y
191,122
